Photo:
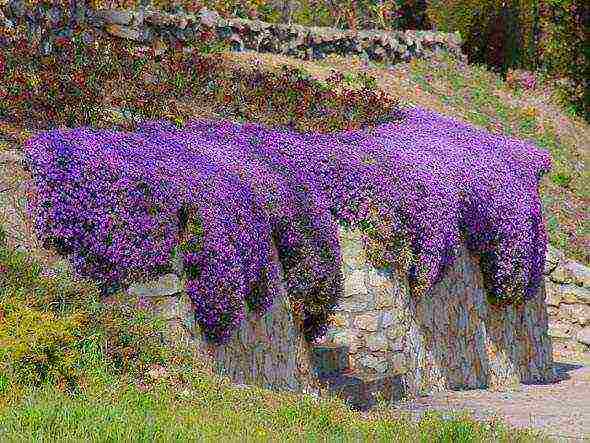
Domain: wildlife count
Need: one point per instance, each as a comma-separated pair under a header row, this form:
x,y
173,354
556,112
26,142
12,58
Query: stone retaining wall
x,y
147,26
449,339
568,302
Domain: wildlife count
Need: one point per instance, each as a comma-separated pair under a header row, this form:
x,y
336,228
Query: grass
x,y
211,410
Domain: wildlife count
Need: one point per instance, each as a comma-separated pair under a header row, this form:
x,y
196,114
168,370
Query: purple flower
x,y
240,196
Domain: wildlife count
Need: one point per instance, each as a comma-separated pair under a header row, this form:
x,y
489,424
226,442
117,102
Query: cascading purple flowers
x,y
233,197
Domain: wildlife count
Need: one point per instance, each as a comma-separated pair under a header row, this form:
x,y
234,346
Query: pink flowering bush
x,y
230,198
517,78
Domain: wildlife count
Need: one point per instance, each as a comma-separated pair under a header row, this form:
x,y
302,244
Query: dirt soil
x,y
561,410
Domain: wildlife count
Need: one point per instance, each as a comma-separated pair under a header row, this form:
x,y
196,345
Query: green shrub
x,y
38,345
55,329
537,35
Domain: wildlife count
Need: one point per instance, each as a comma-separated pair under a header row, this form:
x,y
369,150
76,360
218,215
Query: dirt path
x,y
561,410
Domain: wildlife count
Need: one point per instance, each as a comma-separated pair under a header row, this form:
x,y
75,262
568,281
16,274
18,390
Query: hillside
x,y
151,395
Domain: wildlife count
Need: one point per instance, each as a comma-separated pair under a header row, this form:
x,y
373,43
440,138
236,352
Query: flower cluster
x,y
235,197
516,78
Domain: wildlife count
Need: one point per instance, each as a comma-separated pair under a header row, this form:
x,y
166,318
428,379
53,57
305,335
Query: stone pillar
x,y
450,338
267,351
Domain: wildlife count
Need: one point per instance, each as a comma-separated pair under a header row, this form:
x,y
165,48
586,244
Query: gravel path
x,y
561,410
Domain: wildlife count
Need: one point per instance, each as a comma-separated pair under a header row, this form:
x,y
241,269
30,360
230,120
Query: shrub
x,y
69,88
231,193
54,330
546,36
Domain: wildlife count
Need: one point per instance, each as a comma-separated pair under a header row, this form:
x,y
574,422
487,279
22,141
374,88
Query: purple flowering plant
x,y
244,204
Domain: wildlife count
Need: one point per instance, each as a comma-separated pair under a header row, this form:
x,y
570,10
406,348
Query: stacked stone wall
x,y
451,338
568,303
147,26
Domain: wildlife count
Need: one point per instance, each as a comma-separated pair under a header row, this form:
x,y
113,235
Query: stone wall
x,y
147,26
568,302
449,339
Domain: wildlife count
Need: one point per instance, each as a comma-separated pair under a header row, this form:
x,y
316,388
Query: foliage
x,y
478,95
116,204
68,88
536,35
54,330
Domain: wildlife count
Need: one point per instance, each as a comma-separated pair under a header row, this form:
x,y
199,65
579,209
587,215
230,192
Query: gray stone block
x,y
583,336
165,285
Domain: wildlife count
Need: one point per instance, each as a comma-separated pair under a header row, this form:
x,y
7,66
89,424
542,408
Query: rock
x,y
553,295
552,311
368,322
124,32
345,338
166,285
383,299
374,363
575,294
552,259
580,273
116,17
579,313
398,364
354,283
387,319
357,304
379,279
583,336
138,18
339,320
561,275
559,330
376,342
11,156
94,19
208,18
17,7
395,332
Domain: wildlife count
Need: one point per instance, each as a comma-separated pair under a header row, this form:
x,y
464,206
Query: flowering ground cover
x,y
226,194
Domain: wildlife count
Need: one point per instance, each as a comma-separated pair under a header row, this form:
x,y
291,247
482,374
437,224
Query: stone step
x,y
361,392
329,360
